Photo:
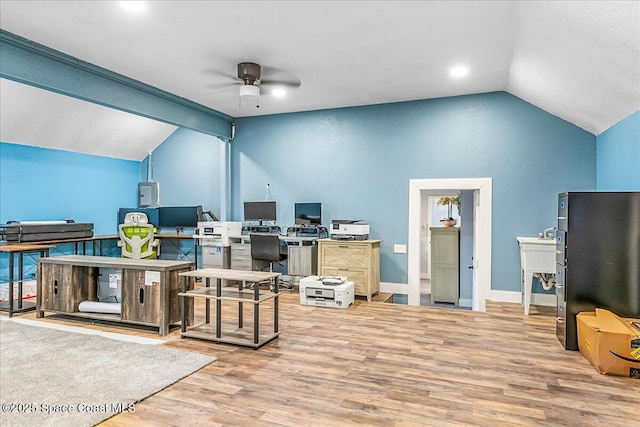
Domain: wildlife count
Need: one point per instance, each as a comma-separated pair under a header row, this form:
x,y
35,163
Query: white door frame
x,y
481,234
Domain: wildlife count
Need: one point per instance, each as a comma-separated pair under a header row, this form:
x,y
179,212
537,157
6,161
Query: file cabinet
x,y
359,261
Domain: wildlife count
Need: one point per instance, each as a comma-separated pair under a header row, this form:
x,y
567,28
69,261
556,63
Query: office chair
x,y
266,247
136,237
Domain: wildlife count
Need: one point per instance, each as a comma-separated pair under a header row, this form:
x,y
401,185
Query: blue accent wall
x,y
358,162
44,184
187,166
618,166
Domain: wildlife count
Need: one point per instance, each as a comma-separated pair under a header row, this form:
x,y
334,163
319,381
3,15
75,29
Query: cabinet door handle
x,y
55,287
141,296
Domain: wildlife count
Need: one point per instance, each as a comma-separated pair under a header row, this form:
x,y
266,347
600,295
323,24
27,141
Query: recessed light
x,y
459,71
279,92
132,6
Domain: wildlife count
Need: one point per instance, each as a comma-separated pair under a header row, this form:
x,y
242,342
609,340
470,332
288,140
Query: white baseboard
x,y
548,300
394,288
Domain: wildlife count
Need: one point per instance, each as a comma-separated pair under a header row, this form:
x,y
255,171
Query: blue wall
x,y
44,184
358,162
187,167
618,167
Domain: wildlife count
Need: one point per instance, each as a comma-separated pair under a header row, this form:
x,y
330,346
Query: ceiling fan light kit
x,y
249,73
249,93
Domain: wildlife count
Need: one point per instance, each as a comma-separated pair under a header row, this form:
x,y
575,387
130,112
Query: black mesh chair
x,y
266,247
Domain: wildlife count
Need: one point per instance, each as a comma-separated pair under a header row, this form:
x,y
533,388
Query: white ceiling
x,y
33,116
577,60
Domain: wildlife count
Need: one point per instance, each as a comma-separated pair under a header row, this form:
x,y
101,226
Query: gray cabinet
x,y
445,264
303,260
241,258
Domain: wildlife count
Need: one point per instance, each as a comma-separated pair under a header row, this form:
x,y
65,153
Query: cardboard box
x,y
611,344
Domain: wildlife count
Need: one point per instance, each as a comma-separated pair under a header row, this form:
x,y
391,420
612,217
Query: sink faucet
x,y
549,233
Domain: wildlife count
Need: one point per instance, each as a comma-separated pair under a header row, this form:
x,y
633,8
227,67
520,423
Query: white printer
x,y
326,291
217,233
214,239
347,229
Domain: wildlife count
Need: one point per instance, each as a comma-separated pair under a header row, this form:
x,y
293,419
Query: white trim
x,y
481,231
547,300
506,296
393,288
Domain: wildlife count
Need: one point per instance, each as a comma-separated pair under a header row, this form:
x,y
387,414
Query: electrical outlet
x,y
399,249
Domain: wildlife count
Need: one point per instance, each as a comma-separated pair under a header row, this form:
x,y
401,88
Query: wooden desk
x,y
149,289
240,295
20,249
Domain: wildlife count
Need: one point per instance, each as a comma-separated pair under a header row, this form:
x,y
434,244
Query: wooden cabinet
x,y
302,260
358,260
445,264
58,290
149,288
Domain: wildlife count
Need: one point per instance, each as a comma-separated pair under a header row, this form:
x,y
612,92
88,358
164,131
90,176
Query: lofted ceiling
x,y
577,60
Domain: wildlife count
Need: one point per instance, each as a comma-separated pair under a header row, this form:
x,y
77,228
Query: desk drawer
x,y
342,255
240,249
241,262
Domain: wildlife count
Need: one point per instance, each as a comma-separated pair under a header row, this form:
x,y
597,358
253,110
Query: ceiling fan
x,y
256,80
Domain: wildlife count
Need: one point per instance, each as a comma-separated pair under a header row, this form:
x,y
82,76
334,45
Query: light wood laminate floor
x,y
383,364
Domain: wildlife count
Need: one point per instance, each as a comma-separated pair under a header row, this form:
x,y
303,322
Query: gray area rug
x,y
57,378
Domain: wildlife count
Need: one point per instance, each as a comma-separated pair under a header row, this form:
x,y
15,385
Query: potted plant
x,y
449,201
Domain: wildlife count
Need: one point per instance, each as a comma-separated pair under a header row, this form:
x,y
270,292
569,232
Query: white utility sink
x,y
537,255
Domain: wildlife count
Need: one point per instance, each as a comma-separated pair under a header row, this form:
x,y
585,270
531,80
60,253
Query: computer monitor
x,y
260,211
179,216
308,213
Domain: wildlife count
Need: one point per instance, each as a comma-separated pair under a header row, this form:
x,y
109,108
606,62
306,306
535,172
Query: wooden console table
x,y
149,289
241,295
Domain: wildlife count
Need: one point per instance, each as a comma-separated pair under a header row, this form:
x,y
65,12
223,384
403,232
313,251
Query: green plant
x,y
450,201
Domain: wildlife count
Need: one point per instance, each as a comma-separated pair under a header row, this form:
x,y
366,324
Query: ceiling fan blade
x,y
273,77
216,86
218,73
293,84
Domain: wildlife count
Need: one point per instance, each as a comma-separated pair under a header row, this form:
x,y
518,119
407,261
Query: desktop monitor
x,y
179,216
260,211
308,213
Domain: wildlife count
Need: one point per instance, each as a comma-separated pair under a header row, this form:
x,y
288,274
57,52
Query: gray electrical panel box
x,y
148,194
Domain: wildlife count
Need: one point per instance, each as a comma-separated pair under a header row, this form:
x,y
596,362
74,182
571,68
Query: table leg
x,y
20,278
11,261
275,307
218,308
256,314
183,303
207,303
241,307
164,303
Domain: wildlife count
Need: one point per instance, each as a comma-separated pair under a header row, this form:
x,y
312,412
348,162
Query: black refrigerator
x,y
597,257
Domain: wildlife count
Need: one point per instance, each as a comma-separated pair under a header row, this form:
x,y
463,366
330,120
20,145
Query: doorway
x,y
482,214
